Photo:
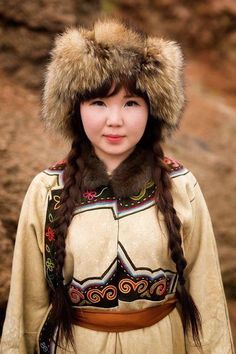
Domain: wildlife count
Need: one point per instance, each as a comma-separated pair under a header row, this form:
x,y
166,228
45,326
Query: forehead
x,y
111,87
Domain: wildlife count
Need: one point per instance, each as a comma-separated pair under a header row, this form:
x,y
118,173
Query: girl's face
x,y
114,125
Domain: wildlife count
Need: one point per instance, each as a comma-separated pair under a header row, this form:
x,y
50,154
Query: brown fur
x,y
127,179
83,59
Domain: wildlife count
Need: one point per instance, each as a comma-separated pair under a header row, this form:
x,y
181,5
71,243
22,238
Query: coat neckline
x,y
127,179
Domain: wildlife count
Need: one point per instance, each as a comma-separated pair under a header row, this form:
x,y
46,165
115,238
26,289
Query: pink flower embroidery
x,y
90,195
50,234
172,162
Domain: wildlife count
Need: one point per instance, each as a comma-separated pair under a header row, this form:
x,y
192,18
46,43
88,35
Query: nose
x,y
114,117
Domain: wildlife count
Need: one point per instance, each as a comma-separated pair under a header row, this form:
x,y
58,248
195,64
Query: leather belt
x,y
121,321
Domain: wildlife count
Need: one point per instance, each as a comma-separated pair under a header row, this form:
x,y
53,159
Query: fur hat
x,y
83,59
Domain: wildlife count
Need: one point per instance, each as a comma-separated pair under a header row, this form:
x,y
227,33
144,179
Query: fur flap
x,y
83,59
127,179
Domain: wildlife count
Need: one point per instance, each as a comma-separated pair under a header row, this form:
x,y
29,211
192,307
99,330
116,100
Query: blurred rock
x,y
198,25
24,151
6,248
49,16
206,142
27,29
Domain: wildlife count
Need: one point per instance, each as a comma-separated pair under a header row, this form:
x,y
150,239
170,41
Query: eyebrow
x,y
130,96
126,96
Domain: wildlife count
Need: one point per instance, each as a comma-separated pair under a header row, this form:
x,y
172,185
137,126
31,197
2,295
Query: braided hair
x,y
71,194
191,318
61,315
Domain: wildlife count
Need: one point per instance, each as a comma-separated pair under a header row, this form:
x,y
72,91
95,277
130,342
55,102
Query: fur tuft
x,y
83,59
116,34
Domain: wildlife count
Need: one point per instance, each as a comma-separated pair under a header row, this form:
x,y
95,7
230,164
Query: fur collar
x,y
126,180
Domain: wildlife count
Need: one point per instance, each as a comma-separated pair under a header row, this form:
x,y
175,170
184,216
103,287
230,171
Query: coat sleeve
x,y
29,297
204,280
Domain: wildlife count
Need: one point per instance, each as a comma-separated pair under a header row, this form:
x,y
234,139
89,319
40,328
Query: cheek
x,y
138,124
90,124
92,131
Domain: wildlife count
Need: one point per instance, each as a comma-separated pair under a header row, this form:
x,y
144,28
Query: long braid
x,y
61,309
190,314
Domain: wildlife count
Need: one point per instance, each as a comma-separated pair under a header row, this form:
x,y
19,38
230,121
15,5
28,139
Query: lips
x,y
114,138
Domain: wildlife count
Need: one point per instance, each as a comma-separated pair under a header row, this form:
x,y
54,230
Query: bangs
x,y
153,128
105,90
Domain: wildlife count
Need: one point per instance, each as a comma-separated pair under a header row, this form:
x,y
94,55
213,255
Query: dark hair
x,y
62,314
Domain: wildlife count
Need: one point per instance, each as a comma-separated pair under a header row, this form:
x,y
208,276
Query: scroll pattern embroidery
x,y
123,281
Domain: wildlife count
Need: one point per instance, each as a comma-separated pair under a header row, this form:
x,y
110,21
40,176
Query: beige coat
x,y
105,233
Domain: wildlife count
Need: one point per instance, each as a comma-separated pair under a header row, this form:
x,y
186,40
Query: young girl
x,y
115,251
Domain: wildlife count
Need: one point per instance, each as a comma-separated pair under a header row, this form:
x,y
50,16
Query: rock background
x,y
206,142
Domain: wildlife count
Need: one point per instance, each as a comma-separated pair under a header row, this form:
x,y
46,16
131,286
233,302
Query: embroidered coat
x,y
117,258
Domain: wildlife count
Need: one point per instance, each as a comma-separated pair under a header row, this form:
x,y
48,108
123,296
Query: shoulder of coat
x,y
58,166
54,174
175,167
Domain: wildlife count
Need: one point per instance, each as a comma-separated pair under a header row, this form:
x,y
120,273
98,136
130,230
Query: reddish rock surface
x,y
206,142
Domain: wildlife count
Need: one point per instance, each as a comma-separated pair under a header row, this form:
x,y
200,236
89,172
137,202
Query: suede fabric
x,y
101,238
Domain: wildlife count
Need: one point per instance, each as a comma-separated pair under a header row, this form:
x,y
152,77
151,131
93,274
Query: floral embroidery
x,y
58,166
45,335
121,207
57,199
44,347
122,280
50,234
174,164
89,195
50,237
49,264
48,328
50,217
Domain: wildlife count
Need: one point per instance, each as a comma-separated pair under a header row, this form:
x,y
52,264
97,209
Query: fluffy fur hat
x,y
82,59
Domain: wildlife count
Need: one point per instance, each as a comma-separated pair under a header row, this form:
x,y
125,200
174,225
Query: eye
x,y
98,103
131,103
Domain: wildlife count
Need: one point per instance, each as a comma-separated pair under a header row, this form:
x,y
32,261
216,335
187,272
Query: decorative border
x,y
103,198
50,263
133,283
176,169
123,281
47,332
